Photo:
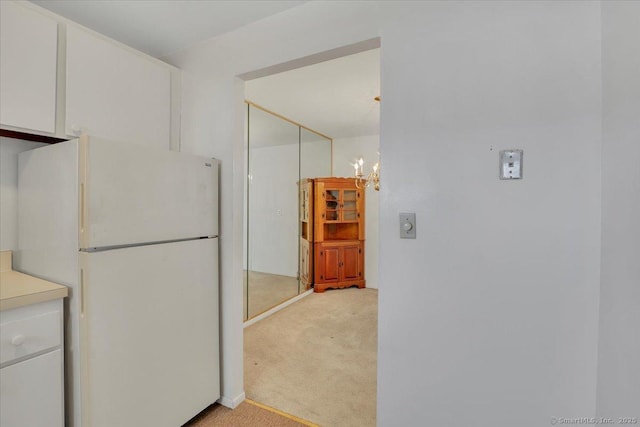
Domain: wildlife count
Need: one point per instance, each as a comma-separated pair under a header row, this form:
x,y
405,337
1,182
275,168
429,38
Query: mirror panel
x,y
272,267
278,153
315,155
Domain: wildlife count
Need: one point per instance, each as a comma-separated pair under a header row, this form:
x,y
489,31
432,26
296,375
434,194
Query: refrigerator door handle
x,y
82,292
81,208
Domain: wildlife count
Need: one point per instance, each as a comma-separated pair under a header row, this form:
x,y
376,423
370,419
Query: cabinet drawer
x,y
24,337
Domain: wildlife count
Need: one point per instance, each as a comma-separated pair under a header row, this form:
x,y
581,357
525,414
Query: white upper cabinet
x,y
115,93
87,83
28,60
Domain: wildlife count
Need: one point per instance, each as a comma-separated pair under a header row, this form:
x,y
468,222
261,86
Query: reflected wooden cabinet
x,y
306,262
306,201
332,233
305,197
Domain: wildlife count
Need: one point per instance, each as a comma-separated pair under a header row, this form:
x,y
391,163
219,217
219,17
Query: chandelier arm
x,y
372,177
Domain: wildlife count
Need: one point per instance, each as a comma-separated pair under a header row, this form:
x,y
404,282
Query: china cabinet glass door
x,y
332,203
349,205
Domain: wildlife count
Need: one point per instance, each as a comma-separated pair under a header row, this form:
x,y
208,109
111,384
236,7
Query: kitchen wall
x,y
9,150
345,152
619,358
489,317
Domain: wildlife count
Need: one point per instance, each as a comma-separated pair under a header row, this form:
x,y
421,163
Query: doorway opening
x,y
337,99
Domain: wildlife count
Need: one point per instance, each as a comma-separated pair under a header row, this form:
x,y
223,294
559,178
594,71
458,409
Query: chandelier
x,y
372,178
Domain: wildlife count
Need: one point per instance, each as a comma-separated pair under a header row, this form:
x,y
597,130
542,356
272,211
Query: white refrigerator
x,y
133,232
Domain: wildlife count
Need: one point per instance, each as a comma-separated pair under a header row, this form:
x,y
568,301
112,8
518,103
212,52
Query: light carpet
x,y
316,359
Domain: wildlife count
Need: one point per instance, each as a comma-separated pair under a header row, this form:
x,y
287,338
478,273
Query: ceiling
x,y
333,97
161,27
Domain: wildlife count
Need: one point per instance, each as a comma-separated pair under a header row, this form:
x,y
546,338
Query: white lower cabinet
x,y
31,392
31,366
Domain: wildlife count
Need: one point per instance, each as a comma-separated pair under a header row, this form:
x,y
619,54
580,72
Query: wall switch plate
x,y
407,225
511,164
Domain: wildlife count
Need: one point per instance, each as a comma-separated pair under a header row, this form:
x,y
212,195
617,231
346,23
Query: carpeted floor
x,y
247,414
316,359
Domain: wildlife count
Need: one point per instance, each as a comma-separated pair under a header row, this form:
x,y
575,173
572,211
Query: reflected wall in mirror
x,y
315,155
278,152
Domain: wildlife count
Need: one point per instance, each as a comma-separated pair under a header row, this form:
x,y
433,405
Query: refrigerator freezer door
x,y
149,334
48,213
131,194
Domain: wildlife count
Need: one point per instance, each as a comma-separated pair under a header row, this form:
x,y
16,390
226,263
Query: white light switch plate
x,y
511,164
407,225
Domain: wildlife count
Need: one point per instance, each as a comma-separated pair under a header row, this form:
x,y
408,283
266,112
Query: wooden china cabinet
x,y
332,218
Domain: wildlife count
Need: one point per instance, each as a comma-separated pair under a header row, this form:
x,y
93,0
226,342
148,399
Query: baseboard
x,y
276,309
232,403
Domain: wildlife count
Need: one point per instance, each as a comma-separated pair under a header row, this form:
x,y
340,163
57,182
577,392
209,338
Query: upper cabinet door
x,y
114,93
28,60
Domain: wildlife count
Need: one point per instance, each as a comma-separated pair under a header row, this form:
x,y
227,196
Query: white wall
x,y
493,314
9,150
315,157
619,357
489,317
345,152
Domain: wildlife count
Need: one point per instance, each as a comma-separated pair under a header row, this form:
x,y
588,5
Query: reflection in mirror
x,y
315,155
272,211
277,153
315,161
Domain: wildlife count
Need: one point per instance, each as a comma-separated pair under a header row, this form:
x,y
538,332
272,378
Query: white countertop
x,y
19,289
